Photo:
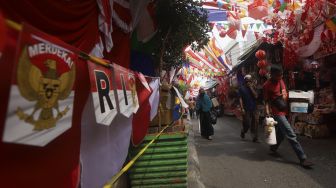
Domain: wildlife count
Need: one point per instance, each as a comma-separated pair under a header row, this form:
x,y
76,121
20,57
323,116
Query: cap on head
x,y
247,77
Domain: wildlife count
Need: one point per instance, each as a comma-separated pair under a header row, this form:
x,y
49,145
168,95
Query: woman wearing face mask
x,y
203,106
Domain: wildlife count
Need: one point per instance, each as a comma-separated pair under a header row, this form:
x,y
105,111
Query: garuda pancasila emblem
x,y
46,88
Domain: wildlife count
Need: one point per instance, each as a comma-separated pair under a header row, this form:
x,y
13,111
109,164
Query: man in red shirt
x,y
273,89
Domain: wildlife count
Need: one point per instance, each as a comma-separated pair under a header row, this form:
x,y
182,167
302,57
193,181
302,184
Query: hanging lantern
x,y
262,64
258,9
260,54
222,33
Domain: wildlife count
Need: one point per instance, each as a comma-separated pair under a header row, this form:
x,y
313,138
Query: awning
x,y
242,60
210,84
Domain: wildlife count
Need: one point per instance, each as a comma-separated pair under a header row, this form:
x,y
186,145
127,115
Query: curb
x,y
193,172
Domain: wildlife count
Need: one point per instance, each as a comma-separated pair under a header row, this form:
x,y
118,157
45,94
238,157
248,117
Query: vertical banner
x,y
41,94
102,91
126,91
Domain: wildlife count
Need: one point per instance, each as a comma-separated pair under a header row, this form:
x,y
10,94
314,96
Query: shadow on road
x,y
227,145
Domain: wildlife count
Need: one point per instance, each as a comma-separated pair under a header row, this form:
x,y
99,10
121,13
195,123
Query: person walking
x,y
247,101
275,95
203,106
191,107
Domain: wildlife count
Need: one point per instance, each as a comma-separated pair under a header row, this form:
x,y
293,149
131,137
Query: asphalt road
x,y
229,161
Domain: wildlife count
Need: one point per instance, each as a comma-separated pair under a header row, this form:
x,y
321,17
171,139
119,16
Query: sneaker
x,y
255,140
210,138
242,135
306,164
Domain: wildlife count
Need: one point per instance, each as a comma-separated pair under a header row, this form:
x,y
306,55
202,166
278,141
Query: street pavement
x,y
228,161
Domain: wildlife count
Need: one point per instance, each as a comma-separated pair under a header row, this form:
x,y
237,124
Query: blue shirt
x,y
204,103
249,102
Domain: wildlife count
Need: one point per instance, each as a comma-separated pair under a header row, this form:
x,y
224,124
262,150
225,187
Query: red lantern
x,y
258,9
222,33
260,54
262,64
262,72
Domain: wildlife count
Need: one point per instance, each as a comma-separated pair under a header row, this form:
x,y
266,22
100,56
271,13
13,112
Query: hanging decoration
x,y
258,9
260,54
262,64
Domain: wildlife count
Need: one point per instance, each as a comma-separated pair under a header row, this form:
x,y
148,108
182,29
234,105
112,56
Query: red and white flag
x,y
42,90
126,90
102,91
54,116
149,101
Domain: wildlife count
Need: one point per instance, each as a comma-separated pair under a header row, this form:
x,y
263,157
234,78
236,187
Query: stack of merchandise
x,y
311,125
316,128
326,103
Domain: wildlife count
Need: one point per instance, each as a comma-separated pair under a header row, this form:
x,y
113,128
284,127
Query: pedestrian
x,y
191,107
247,100
275,95
203,106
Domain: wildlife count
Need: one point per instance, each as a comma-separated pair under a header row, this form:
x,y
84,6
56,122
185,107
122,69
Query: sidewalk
x,y
229,161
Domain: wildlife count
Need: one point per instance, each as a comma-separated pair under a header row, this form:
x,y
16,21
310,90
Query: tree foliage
x,y
180,23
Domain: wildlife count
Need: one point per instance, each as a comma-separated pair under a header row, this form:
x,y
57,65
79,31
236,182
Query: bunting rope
x,y
81,54
110,183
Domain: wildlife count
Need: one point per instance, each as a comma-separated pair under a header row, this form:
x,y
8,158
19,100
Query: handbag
x,y
279,102
213,117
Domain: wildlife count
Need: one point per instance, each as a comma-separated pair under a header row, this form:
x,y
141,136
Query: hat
x,y
247,77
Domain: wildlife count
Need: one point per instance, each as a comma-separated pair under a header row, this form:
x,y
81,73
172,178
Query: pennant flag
x,y
143,81
39,112
265,25
256,34
126,90
245,26
102,91
258,25
43,83
212,24
283,7
251,26
141,119
154,99
243,33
